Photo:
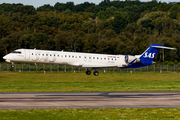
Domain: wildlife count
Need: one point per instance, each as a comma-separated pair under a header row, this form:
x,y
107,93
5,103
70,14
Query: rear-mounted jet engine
x,y
130,58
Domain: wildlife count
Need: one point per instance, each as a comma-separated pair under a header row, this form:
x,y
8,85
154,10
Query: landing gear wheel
x,y
96,73
88,72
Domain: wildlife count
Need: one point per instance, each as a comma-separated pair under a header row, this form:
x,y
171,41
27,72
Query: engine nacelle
x,y
130,58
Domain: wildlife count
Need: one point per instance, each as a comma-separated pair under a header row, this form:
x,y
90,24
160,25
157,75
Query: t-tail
x,y
147,57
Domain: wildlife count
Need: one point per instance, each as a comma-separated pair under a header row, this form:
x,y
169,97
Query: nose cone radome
x,y
5,57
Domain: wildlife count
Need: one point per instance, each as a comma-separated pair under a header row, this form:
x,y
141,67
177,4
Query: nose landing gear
x,y
12,64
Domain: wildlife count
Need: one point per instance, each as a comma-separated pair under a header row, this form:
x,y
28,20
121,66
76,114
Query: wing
x,y
97,65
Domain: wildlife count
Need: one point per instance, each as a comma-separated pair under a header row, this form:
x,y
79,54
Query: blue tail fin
x,y
150,53
148,56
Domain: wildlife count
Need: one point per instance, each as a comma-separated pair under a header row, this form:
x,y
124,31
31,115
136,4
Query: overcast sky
x,y
37,3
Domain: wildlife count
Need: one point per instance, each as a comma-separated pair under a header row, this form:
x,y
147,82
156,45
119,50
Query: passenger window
x,y
42,54
79,56
46,54
32,53
93,57
65,55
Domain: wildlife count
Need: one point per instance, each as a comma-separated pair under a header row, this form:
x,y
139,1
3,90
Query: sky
x,y
37,3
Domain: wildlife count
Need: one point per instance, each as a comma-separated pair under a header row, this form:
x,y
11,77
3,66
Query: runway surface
x,y
89,100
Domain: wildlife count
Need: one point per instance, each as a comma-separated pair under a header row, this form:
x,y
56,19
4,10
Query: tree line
x,y
111,27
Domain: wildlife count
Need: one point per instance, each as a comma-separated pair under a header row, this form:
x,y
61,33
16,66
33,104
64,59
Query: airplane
x,y
86,60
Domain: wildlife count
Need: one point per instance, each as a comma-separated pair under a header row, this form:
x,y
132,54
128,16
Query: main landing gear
x,y
88,72
96,73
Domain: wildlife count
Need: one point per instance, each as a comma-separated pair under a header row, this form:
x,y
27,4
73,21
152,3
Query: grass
x,y
80,82
77,82
92,114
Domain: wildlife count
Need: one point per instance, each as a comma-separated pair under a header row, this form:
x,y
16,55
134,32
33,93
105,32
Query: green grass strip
x,y
92,114
80,82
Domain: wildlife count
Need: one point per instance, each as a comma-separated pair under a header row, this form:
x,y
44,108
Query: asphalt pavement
x,y
89,100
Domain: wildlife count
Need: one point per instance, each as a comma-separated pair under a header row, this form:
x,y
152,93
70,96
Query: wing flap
x,y
97,66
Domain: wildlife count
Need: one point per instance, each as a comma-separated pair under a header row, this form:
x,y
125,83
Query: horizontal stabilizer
x,y
163,47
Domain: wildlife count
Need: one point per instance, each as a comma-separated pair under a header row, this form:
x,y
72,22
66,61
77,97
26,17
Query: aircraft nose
x,y
5,57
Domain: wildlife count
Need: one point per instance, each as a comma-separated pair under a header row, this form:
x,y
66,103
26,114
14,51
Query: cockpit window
x,y
17,52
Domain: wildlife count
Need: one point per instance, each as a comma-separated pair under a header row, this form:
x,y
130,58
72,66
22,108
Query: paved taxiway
x,y
89,100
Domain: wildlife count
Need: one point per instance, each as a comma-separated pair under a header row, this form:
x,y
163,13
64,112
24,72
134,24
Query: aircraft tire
x,y
88,72
96,73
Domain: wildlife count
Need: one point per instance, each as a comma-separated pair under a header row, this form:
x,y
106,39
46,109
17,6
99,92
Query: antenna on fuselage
x,y
34,48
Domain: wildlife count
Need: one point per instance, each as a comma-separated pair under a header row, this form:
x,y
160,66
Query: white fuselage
x,y
88,60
